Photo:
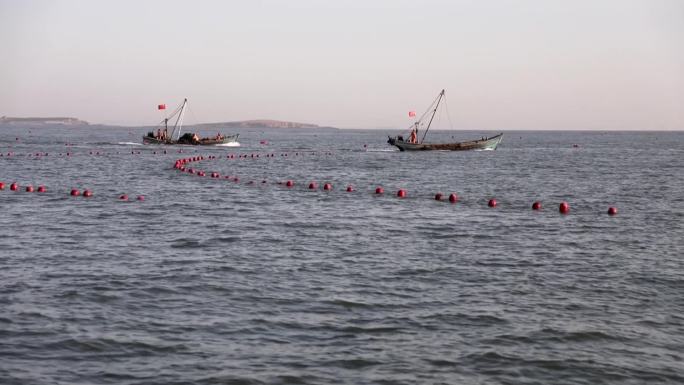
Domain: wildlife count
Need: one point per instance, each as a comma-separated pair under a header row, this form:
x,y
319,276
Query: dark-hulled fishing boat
x,y
485,143
189,138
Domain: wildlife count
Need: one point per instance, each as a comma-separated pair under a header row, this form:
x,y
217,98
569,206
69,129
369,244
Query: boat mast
x,y
179,119
441,95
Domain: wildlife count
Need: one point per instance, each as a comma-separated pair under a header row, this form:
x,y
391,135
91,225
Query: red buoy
x,y
289,183
612,211
141,197
453,198
564,208
492,203
350,188
327,186
87,193
123,197
536,205
41,189
438,196
29,188
2,186
14,186
74,192
379,190
312,186
401,193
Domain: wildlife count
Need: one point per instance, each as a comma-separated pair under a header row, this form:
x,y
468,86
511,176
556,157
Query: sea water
x,y
210,281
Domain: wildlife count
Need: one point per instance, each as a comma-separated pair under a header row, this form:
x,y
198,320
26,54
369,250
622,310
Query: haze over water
x,y
214,281
524,64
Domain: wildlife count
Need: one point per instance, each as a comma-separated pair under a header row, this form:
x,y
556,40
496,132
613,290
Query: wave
x,y
129,144
231,144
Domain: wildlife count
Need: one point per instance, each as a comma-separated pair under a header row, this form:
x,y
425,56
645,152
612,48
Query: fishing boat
x,y
189,138
412,144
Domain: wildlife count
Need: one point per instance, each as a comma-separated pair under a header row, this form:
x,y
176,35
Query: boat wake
x,y
129,144
381,150
231,144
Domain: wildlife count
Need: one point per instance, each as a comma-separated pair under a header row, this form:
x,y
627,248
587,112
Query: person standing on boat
x,y
414,135
166,134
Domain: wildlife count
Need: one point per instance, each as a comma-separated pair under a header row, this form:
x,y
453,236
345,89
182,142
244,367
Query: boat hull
x,y
481,144
202,142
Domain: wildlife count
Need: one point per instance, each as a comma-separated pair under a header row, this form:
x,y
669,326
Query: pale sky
x,y
506,64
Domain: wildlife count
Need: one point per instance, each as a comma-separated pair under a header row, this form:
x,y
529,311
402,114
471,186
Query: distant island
x,y
66,121
258,123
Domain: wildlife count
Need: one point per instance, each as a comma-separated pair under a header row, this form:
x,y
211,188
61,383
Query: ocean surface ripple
x,y
211,281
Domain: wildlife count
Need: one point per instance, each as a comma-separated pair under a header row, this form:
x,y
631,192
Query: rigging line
x,y
446,107
169,117
192,113
179,118
439,97
420,120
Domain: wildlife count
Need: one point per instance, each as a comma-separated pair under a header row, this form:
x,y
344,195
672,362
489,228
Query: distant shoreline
x,y
36,122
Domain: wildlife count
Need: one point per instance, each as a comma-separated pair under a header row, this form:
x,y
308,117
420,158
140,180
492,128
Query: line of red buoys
x,y
401,193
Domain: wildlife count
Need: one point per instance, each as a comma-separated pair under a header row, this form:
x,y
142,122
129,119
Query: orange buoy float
x,y
327,186
29,188
14,186
536,205
401,193
289,183
453,198
492,203
123,197
379,190
41,189
350,188
612,211
74,192
438,196
2,186
564,208
312,186
141,197
87,194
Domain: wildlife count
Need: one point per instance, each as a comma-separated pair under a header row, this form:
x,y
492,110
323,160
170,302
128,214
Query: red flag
x,y
161,107
412,114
